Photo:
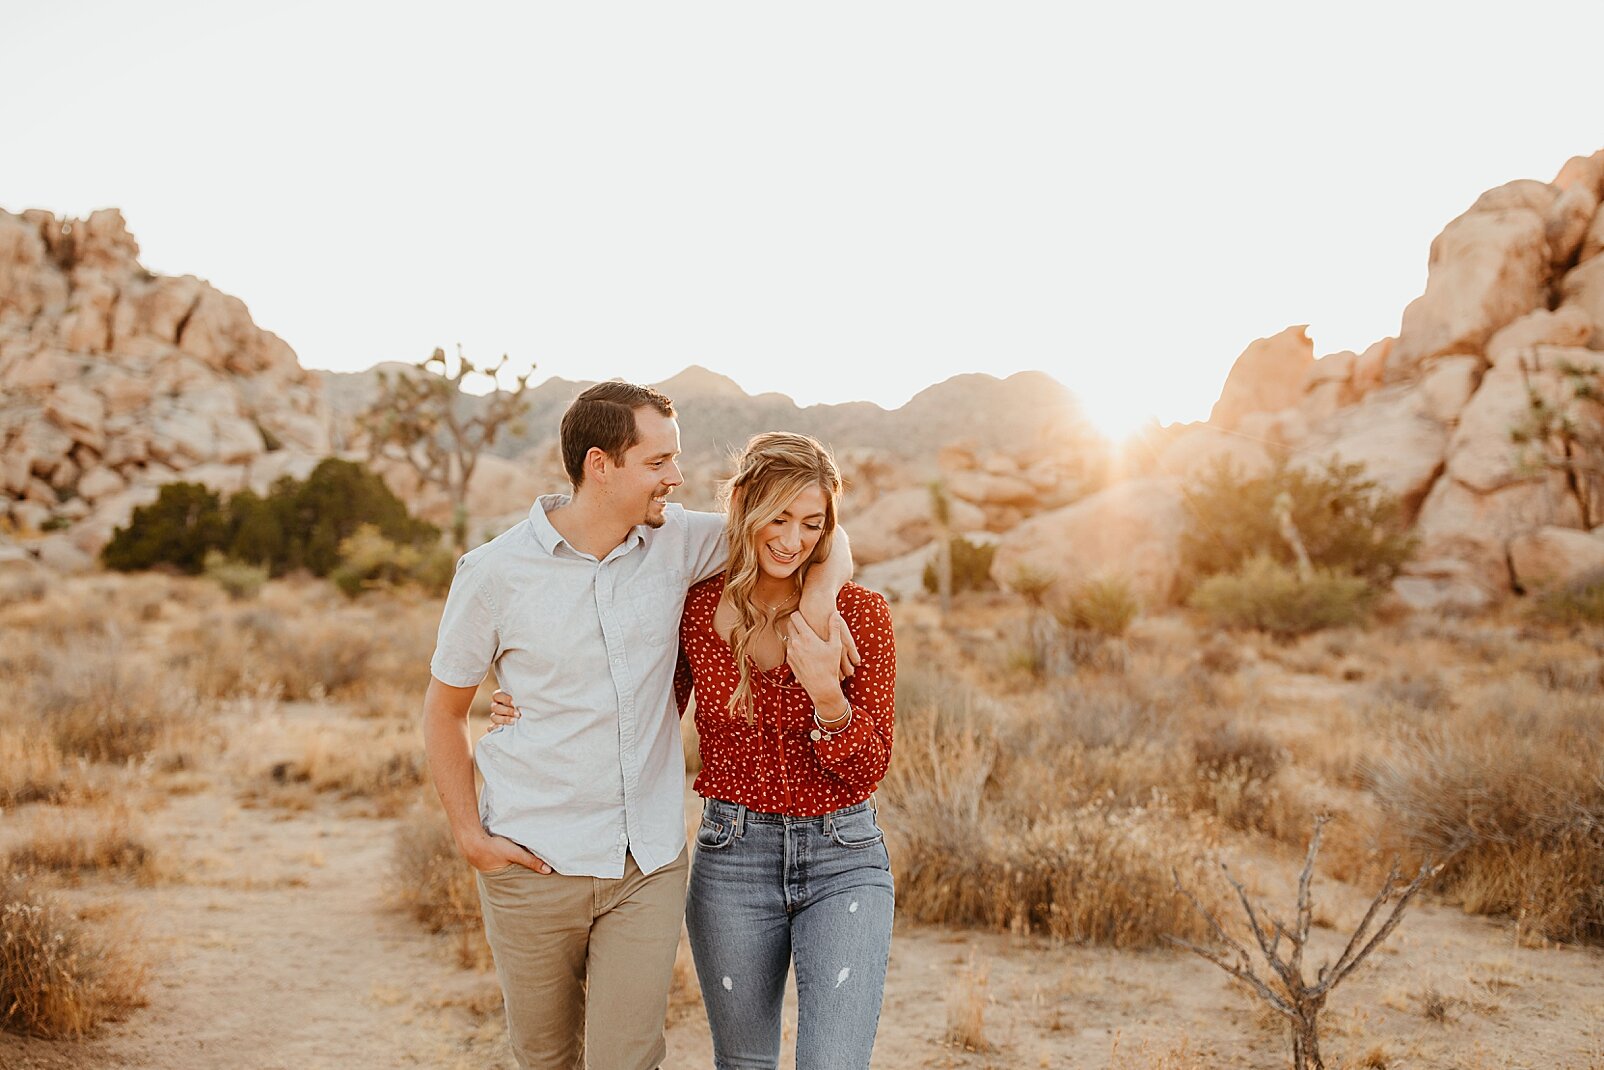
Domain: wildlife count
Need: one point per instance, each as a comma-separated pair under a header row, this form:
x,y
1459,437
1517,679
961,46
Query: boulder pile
x,y
116,381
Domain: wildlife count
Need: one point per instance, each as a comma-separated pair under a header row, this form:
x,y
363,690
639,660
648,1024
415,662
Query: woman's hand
x,y
502,710
816,662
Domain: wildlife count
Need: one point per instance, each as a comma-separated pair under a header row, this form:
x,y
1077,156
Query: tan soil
x,y
273,948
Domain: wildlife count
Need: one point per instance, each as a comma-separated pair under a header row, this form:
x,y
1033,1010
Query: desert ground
x,y
226,805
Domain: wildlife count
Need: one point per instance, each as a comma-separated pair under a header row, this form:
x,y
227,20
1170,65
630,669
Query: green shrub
x,y
177,529
370,560
971,567
1106,606
300,524
1578,602
1347,523
1271,597
239,579
328,508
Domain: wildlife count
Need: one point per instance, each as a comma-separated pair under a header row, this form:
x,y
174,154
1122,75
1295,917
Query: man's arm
x,y
819,590
450,752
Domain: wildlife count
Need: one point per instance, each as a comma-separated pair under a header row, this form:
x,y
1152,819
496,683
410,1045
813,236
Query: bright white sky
x,y
834,200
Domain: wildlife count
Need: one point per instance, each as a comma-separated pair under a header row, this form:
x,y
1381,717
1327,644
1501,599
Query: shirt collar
x,y
550,538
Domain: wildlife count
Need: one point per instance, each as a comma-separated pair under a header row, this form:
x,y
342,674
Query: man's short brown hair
x,y
603,418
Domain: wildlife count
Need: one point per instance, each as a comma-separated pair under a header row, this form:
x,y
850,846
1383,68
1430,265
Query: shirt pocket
x,y
655,606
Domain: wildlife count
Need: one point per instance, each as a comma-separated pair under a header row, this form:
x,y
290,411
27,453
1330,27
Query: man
x,y
579,835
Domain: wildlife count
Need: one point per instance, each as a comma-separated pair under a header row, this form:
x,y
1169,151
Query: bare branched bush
x,y
1286,989
56,978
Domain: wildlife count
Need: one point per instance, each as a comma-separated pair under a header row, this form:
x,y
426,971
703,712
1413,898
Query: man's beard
x,y
659,519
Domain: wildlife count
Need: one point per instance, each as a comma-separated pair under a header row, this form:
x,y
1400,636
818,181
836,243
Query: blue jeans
x,y
767,889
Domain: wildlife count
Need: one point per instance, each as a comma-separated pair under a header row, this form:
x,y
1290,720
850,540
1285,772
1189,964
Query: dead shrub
x,y
1097,875
104,703
56,978
32,768
433,884
1511,797
98,842
967,1000
384,766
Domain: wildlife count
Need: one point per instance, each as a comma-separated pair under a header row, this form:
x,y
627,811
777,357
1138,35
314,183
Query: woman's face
x,y
785,542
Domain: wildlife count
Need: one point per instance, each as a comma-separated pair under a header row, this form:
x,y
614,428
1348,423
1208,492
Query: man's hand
x,y
818,604
815,661
485,853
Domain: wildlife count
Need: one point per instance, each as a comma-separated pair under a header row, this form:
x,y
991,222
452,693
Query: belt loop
x,y
829,822
740,820
874,804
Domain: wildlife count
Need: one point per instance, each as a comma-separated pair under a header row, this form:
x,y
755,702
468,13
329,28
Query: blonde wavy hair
x,y
773,469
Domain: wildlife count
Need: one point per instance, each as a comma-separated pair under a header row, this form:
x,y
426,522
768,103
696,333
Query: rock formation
x,y
1513,308
116,381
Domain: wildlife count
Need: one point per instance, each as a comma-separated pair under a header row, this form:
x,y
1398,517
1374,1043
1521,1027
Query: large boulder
x,y
990,488
1447,387
900,522
1268,376
1488,267
1568,220
1391,434
1583,288
1482,454
1462,524
1552,556
1131,530
1568,325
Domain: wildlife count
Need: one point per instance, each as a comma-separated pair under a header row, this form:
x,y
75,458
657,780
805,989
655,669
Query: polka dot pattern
x,y
772,764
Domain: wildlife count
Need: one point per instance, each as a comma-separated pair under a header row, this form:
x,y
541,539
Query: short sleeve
x,y
469,639
707,551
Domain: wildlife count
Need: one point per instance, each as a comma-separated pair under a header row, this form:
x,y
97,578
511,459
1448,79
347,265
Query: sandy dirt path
x,y
273,947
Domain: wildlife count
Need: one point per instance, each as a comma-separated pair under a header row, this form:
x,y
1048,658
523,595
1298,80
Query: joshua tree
x,y
1287,991
1566,435
421,419
941,512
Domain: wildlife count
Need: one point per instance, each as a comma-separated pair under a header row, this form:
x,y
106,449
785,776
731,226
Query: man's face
x,y
641,485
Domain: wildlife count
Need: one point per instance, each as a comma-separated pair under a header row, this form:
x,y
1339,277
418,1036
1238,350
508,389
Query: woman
x,y
790,865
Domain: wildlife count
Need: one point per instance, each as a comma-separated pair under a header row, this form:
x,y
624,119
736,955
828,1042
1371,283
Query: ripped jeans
x,y
767,890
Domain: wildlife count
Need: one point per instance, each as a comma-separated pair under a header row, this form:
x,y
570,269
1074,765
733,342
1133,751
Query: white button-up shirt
x,y
594,767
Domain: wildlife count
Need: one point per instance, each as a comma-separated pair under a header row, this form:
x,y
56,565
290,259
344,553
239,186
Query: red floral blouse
x,y
772,764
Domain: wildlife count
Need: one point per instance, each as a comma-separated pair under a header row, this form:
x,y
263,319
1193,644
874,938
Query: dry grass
x,y
433,884
967,1000
57,979
78,843
1510,792
382,765
33,769
1027,826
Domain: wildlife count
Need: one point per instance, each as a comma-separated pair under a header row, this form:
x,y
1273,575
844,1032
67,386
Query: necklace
x,y
774,609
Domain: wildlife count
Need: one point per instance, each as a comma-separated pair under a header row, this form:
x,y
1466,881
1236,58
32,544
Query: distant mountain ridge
x,y
717,415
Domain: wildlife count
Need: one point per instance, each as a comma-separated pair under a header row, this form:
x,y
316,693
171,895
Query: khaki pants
x,y
555,936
